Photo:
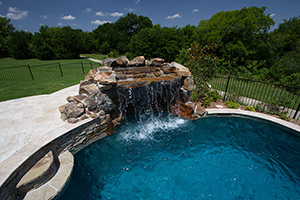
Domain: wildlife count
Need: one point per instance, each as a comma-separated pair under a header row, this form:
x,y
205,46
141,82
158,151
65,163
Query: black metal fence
x,y
18,74
264,97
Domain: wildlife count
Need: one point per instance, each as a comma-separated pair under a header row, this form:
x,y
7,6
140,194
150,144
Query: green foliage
x,y
113,54
116,36
231,104
6,28
160,41
209,97
284,117
56,43
202,63
182,57
250,108
18,44
239,34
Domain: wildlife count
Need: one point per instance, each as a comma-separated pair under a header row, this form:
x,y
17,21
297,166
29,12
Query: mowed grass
x,y
257,90
49,76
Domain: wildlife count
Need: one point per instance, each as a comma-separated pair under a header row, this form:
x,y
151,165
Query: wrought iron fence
x,y
264,97
18,74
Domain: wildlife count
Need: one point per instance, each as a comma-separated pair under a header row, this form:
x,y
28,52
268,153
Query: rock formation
x,y
121,87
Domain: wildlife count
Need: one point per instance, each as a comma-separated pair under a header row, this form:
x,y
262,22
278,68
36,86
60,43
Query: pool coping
x,y
238,112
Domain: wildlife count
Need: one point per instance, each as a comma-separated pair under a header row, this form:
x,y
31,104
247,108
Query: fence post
x,y
82,68
296,111
61,73
30,72
91,65
226,87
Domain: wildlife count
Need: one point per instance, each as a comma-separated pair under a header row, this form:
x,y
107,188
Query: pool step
x,y
56,184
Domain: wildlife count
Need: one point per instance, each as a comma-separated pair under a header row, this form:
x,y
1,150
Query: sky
x,y
87,15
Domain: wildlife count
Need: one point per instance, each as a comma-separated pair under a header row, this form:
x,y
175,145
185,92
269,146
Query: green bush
x,y
231,104
284,117
250,108
211,96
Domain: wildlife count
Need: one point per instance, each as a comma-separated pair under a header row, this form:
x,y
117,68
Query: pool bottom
x,y
170,158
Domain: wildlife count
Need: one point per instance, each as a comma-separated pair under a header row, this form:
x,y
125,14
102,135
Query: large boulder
x,y
188,84
122,61
106,78
157,62
107,61
100,101
87,89
71,110
137,61
181,70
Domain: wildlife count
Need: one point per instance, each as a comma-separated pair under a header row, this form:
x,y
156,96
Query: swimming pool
x,y
166,157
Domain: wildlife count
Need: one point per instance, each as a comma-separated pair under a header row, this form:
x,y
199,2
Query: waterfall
x,y
151,97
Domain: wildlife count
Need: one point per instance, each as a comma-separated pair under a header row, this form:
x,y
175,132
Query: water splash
x,y
148,126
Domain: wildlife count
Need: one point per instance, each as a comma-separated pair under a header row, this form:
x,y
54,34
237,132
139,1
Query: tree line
x,y
242,42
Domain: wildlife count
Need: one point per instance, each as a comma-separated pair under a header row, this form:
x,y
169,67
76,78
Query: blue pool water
x,y
171,158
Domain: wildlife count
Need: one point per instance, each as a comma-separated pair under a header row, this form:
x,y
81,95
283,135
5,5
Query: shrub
x,y
284,117
231,104
211,96
250,108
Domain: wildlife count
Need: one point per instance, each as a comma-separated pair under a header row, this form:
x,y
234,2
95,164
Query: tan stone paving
x,y
26,124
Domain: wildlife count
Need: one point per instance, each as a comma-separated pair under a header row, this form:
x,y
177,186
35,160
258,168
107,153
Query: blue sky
x,y
87,15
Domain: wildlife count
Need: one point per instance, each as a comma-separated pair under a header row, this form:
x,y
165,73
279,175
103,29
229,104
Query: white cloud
x,y
116,14
130,9
14,13
99,22
100,13
1,3
44,16
68,17
137,1
195,10
174,16
59,24
272,15
12,9
87,10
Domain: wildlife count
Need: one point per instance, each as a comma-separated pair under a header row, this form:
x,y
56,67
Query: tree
x,y
238,33
286,68
57,43
157,41
6,28
18,44
116,36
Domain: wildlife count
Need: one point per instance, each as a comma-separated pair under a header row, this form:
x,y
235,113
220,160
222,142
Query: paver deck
x,y
25,125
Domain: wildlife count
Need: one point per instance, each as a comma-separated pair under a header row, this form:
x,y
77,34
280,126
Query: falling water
x,y
147,105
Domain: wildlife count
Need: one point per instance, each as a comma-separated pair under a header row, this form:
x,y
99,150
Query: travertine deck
x,y
27,124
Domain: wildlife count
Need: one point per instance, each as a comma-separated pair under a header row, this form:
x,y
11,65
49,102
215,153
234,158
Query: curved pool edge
x,y
286,124
12,165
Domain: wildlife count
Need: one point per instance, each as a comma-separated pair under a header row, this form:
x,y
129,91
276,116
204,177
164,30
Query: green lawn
x,y
257,90
49,76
